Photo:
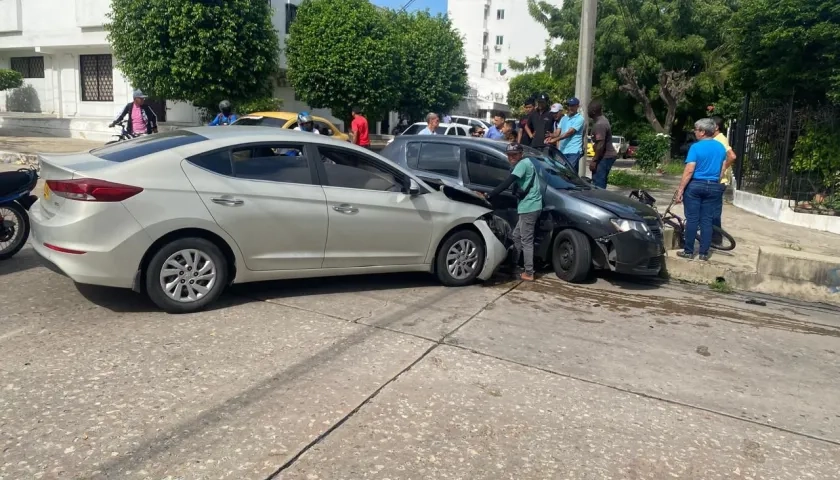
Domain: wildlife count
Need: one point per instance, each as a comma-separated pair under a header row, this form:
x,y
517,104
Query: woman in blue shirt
x,y
700,189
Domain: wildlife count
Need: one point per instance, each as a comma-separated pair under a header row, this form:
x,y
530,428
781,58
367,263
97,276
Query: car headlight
x,y
624,225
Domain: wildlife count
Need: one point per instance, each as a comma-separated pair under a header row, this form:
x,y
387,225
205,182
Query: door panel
x,y
278,216
371,221
484,173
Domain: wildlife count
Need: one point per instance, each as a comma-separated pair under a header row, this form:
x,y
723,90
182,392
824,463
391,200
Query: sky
x,y
434,6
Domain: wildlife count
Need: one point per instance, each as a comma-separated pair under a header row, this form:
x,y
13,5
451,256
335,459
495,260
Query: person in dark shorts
x,y
605,153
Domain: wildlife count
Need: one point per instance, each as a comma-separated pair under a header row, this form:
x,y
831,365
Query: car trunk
x,y
65,167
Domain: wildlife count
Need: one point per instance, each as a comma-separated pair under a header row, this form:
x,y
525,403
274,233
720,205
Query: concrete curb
x,y
781,272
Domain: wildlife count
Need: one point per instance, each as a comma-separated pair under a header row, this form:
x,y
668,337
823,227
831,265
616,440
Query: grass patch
x,y
673,168
623,178
720,286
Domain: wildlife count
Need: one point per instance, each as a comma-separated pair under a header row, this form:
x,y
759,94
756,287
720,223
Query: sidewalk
x,y
770,257
19,148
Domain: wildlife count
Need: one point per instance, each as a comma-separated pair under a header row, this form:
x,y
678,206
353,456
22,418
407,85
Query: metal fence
x,y
790,150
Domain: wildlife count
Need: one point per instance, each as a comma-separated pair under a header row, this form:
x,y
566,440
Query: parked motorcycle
x,y
15,200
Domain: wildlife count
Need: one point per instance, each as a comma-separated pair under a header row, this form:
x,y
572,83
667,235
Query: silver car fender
x,y
495,251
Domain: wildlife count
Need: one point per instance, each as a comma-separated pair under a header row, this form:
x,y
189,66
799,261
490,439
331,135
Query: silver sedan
x,y
180,215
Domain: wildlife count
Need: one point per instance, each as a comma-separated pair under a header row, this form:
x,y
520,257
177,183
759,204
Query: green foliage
x,y
784,45
675,167
10,79
341,54
818,150
201,52
653,149
623,178
530,64
649,37
524,85
260,105
720,286
433,74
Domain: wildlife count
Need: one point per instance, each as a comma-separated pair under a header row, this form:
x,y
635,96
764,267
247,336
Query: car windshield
x,y
249,121
557,173
417,127
616,140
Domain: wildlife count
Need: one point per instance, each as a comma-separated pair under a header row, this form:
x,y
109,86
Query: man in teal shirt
x,y
570,133
530,205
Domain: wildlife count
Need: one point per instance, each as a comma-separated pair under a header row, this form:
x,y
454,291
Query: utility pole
x,y
585,64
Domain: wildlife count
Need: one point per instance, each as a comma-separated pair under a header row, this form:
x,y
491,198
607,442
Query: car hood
x,y
614,203
460,194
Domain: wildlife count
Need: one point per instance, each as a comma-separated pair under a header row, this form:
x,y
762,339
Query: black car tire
x,y
464,237
23,223
153,275
571,256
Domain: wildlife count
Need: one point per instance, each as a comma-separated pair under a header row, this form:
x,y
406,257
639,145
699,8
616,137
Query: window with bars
x,y
291,14
97,78
29,67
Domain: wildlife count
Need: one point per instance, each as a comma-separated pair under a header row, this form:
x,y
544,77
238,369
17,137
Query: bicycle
x,y
721,240
124,134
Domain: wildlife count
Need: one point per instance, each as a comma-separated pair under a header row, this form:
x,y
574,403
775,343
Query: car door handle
x,y
229,202
345,208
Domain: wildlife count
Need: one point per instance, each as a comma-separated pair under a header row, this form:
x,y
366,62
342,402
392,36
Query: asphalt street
x,y
395,377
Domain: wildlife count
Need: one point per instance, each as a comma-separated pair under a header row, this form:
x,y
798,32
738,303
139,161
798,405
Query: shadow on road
x,y
331,285
26,259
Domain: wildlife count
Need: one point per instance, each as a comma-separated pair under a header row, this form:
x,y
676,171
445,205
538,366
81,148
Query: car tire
x,y
571,256
193,255
460,258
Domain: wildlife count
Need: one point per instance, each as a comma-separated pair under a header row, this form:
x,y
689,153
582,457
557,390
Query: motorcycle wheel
x,y
14,230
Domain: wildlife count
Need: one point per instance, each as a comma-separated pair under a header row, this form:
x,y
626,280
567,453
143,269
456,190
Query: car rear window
x,y
146,145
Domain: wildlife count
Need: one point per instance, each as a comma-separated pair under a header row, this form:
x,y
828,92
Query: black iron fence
x,y
790,150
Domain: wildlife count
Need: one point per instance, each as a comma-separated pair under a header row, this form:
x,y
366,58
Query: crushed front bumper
x,y
633,252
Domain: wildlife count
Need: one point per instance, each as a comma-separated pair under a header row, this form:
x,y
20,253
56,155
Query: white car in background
x,y
442,129
180,215
470,121
620,145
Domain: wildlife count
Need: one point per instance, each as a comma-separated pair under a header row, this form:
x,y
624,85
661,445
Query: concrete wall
x,y
779,210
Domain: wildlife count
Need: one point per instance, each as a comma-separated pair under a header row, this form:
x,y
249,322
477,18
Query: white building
x,y
494,32
71,86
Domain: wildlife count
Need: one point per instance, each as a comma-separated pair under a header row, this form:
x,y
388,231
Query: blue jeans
x,y
703,200
599,178
716,220
574,160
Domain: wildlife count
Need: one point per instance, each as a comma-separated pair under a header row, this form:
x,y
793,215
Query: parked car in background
x,y
180,215
631,148
471,121
620,145
581,226
288,120
451,129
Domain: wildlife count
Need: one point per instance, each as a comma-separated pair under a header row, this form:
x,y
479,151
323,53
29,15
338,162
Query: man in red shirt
x,y
359,129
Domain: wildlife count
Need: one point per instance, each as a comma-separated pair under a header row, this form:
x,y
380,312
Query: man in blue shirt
x,y
569,135
495,130
432,122
700,187
225,117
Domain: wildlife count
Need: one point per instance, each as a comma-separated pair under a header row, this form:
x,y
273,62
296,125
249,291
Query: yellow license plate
x,y
46,192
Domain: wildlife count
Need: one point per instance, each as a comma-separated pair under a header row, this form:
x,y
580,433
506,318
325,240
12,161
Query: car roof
x,y
465,141
283,116
441,124
245,134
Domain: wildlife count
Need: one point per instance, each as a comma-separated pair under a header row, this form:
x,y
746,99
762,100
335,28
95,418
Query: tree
x,y
10,79
649,55
525,85
200,52
341,54
787,45
433,74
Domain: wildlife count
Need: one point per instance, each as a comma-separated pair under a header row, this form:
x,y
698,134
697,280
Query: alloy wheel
x,y
188,275
462,259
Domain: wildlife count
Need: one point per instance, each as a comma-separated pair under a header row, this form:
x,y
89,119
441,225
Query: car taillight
x,y
92,190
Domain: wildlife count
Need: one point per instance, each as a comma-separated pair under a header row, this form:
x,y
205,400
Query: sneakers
x,y
526,277
683,254
704,258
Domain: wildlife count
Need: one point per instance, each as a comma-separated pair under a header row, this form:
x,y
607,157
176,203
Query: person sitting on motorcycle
x,y
141,119
306,124
225,117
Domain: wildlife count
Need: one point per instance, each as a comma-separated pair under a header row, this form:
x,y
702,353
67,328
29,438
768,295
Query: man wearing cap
x,y
141,119
529,205
570,133
540,123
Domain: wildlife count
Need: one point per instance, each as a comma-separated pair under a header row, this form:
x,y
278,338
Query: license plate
x,y
46,192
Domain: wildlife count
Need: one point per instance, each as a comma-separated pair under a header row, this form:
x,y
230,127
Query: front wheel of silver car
x,y
186,275
460,258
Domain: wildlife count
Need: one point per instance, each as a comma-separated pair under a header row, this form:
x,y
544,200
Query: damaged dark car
x,y
582,227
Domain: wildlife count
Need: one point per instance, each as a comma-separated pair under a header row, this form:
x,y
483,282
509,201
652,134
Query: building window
x,y
498,67
291,14
97,78
29,67
500,14
500,39
483,65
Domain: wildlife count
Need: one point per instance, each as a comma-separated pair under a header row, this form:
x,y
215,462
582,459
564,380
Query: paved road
x,y
394,377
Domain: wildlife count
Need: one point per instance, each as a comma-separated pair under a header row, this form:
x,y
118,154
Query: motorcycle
x,y
15,200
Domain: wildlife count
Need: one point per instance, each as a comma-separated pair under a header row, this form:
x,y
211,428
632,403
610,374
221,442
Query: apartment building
x,y
72,87
494,32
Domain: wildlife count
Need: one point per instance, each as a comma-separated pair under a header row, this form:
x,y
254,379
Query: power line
x,y
407,4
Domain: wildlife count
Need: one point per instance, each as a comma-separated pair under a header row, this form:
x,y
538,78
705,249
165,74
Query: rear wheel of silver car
x,y
186,275
460,259
571,256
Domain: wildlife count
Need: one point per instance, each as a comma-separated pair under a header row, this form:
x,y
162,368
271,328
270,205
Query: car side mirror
x,y
413,187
